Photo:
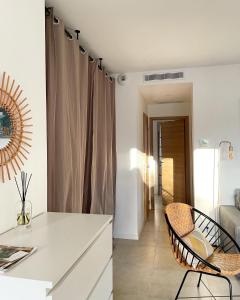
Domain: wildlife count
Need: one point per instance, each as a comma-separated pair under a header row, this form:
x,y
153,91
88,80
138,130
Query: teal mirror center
x,y
6,128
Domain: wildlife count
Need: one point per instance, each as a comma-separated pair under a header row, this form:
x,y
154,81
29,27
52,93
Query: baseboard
x,y
125,236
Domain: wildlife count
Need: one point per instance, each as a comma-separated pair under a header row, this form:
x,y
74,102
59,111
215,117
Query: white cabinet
x,y
73,260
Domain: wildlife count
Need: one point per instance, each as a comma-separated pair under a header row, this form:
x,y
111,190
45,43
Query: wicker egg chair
x,y
225,260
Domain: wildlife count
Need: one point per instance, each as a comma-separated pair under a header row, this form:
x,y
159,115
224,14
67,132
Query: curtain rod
x,y
48,11
68,34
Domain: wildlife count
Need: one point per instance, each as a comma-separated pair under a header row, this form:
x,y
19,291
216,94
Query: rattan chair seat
x,y
227,262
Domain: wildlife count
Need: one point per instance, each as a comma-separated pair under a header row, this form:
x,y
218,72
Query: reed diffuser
x,y
24,207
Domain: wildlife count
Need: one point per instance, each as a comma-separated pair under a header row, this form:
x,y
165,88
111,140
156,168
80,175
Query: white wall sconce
x,y
229,149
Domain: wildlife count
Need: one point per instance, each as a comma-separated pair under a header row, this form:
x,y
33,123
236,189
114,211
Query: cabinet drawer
x,y
81,280
104,287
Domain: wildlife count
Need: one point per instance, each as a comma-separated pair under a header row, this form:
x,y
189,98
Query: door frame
x,y
146,149
188,154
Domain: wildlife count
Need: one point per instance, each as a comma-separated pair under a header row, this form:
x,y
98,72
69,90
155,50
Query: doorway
x,y
171,147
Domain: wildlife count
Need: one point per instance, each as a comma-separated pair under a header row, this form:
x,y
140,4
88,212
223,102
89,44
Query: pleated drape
x,y
104,145
80,128
67,100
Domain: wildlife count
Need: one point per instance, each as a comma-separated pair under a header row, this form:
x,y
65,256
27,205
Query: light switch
x,y
203,143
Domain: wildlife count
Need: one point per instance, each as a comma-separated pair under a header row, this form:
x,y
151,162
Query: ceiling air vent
x,y
163,76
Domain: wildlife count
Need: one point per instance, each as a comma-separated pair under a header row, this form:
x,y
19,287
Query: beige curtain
x,y
81,128
67,99
103,154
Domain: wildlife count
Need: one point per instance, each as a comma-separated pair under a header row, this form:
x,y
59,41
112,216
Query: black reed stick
x,y
28,183
18,188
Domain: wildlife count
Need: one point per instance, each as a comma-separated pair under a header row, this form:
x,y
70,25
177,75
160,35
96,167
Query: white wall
x,y
169,109
128,103
22,56
216,116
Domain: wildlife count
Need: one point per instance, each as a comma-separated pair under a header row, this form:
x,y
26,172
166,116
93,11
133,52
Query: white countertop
x,y
61,238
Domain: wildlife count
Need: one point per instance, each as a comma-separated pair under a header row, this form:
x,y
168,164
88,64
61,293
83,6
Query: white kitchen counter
x,y
74,253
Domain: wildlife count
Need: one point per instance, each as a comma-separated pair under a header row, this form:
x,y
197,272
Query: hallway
x,y
146,269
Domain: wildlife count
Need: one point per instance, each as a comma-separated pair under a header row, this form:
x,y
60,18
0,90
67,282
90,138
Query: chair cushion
x,y
197,242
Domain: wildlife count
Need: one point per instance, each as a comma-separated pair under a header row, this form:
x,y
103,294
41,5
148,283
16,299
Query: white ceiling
x,y
167,93
140,35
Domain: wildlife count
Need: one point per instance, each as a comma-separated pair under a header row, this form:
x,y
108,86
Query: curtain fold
x,y
80,128
87,192
99,152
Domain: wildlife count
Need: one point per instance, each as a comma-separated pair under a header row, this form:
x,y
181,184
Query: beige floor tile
x,y
164,260
136,255
169,292
219,286
118,296
172,278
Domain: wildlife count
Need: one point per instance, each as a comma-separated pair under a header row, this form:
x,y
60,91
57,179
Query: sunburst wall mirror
x,y
15,128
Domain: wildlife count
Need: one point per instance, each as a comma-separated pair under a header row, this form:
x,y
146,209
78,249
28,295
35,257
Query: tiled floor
x,y
146,269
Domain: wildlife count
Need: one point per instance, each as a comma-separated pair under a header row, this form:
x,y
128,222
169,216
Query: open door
x,y
174,162
146,171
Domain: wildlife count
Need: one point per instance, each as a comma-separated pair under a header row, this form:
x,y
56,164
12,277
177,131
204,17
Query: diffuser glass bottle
x,y
23,207
24,213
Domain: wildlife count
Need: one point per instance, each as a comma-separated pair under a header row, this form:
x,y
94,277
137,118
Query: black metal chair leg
x,y
229,284
199,280
180,288
230,287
